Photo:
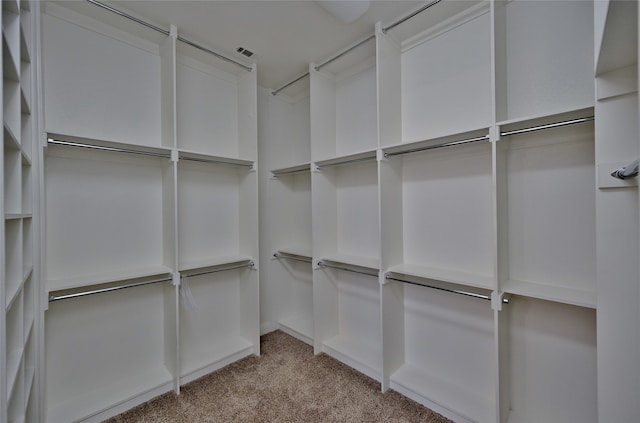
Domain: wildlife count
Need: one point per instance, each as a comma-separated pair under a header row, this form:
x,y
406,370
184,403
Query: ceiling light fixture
x,y
345,10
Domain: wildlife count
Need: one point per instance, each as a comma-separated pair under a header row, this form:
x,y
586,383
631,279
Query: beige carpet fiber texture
x,y
287,383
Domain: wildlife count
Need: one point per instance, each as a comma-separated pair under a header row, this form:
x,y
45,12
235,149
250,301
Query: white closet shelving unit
x,y
458,158
149,186
344,185
19,289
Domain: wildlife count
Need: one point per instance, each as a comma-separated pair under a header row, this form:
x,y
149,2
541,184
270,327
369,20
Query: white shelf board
x,y
10,139
348,159
461,401
352,260
408,146
14,359
213,262
16,216
299,326
203,157
560,294
546,118
618,47
365,358
26,157
304,252
444,275
204,361
29,323
30,375
86,404
291,170
111,277
25,45
9,64
25,106
89,142
12,292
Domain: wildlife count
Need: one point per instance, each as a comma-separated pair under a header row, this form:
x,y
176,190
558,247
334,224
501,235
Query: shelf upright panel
x,y
389,87
170,206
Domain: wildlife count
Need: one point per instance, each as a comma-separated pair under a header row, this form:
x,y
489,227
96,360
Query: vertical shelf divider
x,y
169,206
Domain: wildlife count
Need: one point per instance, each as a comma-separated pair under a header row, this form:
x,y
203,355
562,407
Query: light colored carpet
x,y
287,383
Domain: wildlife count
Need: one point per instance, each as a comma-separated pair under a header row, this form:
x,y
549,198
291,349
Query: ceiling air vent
x,y
244,52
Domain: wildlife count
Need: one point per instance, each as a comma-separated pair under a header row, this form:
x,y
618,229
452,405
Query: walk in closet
x,y
434,203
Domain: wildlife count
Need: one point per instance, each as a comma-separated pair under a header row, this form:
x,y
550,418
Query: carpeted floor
x,y
286,384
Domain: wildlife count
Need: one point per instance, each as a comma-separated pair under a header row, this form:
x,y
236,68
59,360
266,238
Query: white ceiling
x,y
285,35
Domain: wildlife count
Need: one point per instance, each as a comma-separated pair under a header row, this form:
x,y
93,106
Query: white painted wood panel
x,y
551,218
103,212
95,338
355,111
98,86
446,82
553,362
549,68
207,107
447,209
208,212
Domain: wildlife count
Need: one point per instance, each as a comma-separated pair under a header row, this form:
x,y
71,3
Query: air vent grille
x,y
244,52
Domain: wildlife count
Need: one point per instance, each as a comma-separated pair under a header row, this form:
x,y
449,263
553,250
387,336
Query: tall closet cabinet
x,y
19,322
150,197
456,170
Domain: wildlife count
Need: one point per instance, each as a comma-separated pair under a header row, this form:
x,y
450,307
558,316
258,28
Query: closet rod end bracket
x,y
498,299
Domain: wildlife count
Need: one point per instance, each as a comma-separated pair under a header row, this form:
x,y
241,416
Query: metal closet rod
x,y
277,90
384,30
321,65
548,126
323,264
346,162
111,149
224,269
289,257
53,298
432,147
453,291
342,53
165,32
411,15
217,162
